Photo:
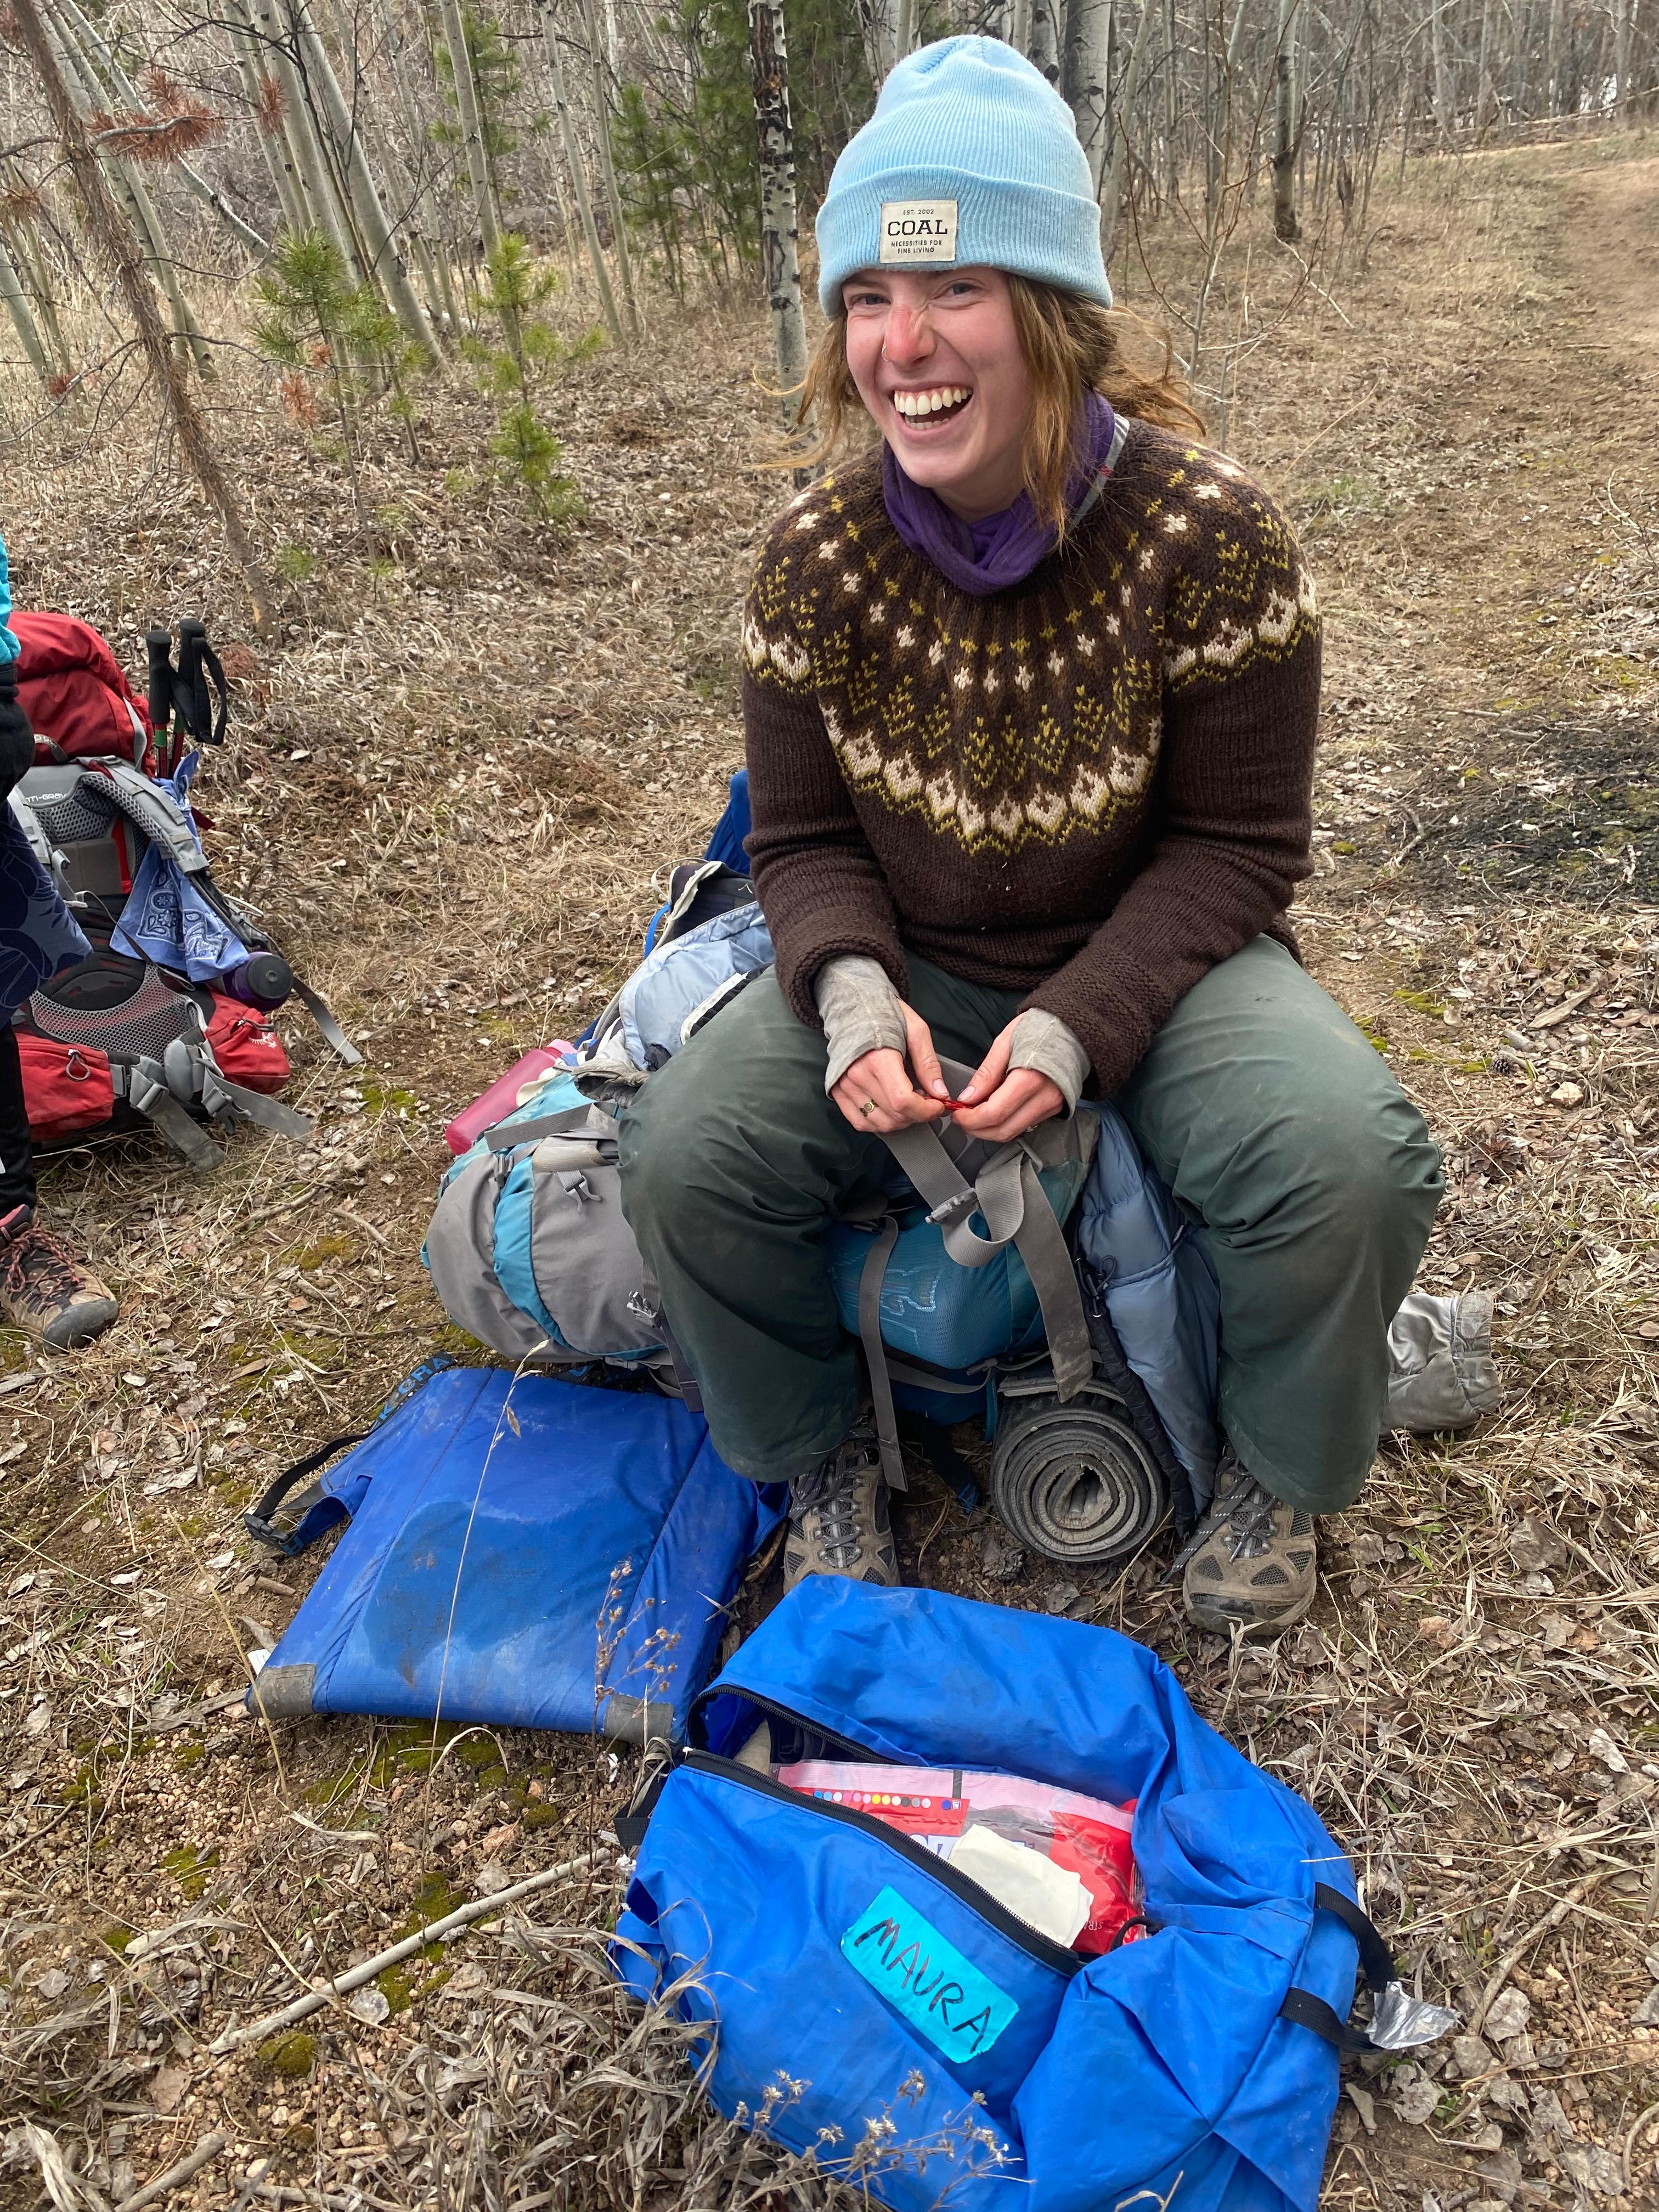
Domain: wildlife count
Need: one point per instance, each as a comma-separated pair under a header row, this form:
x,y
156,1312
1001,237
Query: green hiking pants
x,y
1259,1103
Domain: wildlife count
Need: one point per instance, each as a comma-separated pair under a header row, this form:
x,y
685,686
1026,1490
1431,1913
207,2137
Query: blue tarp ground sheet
x,y
523,1551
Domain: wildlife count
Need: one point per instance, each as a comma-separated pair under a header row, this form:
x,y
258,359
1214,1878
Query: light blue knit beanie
x,y
971,158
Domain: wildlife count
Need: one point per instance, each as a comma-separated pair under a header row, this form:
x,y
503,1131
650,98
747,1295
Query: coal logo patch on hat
x,y
919,231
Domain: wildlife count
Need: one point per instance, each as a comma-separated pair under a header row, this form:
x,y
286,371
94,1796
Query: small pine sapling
x,y
316,321
532,353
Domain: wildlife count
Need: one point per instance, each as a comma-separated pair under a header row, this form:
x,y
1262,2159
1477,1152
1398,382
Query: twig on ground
x,y
204,2153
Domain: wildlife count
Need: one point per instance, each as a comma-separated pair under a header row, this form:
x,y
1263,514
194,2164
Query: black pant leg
x,y
17,1146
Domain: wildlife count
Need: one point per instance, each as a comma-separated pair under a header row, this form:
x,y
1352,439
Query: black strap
x,y
1375,1965
1304,2009
256,1521
629,1827
1375,1959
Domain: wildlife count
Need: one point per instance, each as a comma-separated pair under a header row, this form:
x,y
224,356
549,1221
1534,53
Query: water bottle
x,y
263,981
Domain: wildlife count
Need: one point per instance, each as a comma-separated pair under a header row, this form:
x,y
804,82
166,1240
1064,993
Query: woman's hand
x,y
877,1092
1005,1102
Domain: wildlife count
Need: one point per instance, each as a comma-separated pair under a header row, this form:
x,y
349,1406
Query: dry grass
x,y
449,788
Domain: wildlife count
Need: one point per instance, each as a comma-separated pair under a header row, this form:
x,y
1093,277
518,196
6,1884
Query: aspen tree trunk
x,y
879,21
1020,26
1045,38
71,20
22,318
1445,96
273,142
608,171
1620,53
386,262
1285,226
1085,79
114,234
313,180
1112,191
81,89
436,255
578,175
905,38
779,264
471,123
30,263
1553,60
1484,90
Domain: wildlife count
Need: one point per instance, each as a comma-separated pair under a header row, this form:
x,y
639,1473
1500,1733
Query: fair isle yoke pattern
x,y
1036,714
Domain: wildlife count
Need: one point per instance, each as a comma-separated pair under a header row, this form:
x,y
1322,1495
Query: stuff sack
x,y
521,1551
71,687
862,2001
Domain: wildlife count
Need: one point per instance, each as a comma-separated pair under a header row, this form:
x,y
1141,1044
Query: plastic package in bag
x,y
1079,1836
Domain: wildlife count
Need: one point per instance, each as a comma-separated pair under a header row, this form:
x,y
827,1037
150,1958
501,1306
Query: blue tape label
x,y
957,2007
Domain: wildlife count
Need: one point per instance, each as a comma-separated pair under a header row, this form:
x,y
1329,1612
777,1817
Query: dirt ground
x,y
454,788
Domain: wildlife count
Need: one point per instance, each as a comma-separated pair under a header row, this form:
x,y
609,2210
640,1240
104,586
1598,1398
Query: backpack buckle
x,y
950,1211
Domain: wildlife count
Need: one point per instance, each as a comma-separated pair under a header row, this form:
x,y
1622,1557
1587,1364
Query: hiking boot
x,y
45,1289
1249,1564
839,1522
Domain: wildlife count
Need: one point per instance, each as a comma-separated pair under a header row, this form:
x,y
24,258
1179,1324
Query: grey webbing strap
x,y
566,1122
1015,1208
220,1094
999,1195
1040,1243
870,1278
147,1093
333,1035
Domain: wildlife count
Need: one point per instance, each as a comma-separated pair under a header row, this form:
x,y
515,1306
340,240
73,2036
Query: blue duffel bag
x,y
868,2004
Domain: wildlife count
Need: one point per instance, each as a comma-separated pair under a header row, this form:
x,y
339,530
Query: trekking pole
x,y
158,647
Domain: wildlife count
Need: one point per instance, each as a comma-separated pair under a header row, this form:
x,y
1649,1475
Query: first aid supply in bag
x,y
864,2000
1061,1861
522,1551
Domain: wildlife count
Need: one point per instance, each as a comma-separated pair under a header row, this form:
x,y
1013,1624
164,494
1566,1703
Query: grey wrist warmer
x,y
1042,1042
860,1011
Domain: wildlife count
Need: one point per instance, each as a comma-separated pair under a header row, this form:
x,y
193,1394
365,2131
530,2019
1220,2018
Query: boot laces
x,y
828,1494
39,1264
1246,1516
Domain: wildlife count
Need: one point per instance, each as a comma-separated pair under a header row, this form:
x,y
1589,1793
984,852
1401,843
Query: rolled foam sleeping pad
x,y
1074,1482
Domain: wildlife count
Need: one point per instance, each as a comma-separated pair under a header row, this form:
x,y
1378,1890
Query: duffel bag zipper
x,y
960,1886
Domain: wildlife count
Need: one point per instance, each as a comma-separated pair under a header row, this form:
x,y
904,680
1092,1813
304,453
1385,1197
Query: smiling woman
x,y
1031,696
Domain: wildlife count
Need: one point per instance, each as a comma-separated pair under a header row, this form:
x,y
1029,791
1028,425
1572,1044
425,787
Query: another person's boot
x,y
1251,1562
46,1290
839,1521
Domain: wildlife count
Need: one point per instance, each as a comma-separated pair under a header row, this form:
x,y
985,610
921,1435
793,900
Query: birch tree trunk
x,y
779,266
578,173
608,171
1045,39
1086,78
114,234
1286,229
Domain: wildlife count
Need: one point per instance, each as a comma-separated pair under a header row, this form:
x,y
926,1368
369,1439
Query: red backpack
x,y
79,703
115,1042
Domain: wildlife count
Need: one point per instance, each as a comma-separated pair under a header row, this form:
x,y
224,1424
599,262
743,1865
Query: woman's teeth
x,y
914,405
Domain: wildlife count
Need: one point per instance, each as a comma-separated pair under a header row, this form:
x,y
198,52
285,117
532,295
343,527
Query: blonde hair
x,y
1072,346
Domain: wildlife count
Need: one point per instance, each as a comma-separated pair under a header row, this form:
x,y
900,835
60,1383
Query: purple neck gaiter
x,y
1000,551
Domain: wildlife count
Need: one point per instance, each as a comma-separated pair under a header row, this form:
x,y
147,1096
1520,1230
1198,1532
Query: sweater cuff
x,y
859,1010
1042,1042
807,949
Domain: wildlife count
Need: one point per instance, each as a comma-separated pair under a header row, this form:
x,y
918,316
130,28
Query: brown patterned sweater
x,y
1090,788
